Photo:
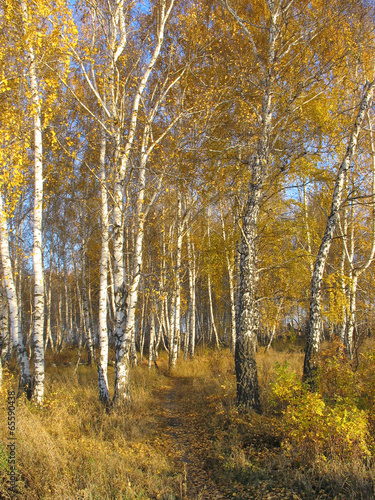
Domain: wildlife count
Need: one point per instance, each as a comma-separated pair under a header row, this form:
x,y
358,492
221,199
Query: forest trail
x,y
185,440
183,434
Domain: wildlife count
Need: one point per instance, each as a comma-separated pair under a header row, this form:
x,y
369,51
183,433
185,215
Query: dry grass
x,y
73,449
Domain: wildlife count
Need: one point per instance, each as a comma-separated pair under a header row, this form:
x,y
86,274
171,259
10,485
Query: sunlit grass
x,y
71,448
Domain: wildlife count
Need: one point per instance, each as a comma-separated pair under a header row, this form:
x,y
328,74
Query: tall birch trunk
x,y
357,270
38,382
258,164
247,327
315,319
344,236
103,292
124,320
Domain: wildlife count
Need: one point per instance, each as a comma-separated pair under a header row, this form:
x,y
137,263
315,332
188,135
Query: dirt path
x,y
185,441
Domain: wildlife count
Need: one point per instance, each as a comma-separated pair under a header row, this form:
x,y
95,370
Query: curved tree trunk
x,y
315,319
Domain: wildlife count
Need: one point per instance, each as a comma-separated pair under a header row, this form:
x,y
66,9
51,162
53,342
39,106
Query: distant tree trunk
x,y
143,328
190,347
212,317
344,235
231,278
133,349
177,294
315,328
48,308
274,326
151,351
4,324
86,310
307,229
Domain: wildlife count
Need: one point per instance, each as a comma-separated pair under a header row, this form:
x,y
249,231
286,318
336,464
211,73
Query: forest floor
x,y
182,438
183,410
180,427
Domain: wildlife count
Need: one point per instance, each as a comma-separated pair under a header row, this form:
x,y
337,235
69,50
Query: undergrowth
x,y
72,449
304,445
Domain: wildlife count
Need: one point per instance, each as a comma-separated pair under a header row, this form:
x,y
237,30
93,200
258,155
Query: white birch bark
x,y
230,267
124,322
38,379
356,270
22,357
212,316
314,334
151,352
176,311
103,292
86,309
307,229
344,235
192,296
48,308
4,323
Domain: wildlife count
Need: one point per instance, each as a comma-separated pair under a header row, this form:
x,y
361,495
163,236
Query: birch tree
x,y
22,355
122,88
285,42
315,319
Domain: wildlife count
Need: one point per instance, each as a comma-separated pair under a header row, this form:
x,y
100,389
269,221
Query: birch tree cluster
x,y
179,173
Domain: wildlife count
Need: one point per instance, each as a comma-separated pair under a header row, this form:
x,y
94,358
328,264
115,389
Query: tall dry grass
x,y
72,449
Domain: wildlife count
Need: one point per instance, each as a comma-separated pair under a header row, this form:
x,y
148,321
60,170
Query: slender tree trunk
x,y
124,322
143,327
22,358
151,352
38,384
212,317
86,309
48,307
274,327
356,271
344,235
192,296
103,292
4,323
177,303
307,229
315,329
